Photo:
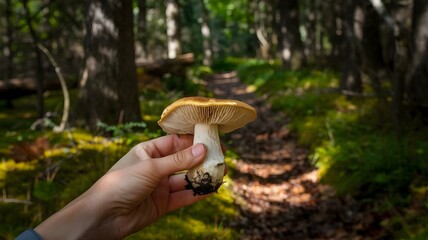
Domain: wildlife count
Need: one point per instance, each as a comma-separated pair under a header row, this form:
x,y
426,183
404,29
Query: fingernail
x,y
198,150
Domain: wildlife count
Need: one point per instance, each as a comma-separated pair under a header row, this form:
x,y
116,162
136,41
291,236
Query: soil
x,y
277,188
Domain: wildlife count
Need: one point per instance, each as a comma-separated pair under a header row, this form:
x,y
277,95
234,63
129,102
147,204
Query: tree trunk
x,y
110,93
351,76
335,32
292,45
284,35
260,29
319,33
206,35
142,26
8,48
39,61
269,26
173,28
311,29
372,49
417,76
395,54
9,40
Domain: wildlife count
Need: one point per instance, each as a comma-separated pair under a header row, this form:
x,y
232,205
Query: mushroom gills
x,y
208,176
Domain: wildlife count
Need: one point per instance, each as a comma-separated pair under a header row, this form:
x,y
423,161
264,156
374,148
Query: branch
x,y
13,200
381,10
66,109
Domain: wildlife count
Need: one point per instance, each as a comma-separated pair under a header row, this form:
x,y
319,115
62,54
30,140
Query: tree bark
x,y
284,35
272,27
39,61
9,40
351,76
311,29
142,26
8,48
260,29
372,49
291,40
206,35
110,93
335,32
417,76
395,55
173,28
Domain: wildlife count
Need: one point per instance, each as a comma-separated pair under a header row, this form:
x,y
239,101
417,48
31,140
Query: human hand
x,y
135,192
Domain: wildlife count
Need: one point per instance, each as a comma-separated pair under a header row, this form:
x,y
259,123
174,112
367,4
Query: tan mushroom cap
x,y
181,116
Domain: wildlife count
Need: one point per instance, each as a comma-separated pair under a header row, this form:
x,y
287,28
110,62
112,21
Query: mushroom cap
x,y
181,116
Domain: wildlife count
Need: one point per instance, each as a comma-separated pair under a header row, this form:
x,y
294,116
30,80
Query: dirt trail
x,y
276,186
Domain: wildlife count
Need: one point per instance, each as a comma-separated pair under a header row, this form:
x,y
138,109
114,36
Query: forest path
x,y
276,186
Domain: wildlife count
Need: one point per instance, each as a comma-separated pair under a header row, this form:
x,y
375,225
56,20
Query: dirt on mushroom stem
x,y
205,187
208,176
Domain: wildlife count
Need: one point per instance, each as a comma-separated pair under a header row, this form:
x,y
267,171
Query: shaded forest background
x,y
349,72
378,46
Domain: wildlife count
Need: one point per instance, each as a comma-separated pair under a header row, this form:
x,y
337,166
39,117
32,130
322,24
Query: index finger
x,y
156,148
166,145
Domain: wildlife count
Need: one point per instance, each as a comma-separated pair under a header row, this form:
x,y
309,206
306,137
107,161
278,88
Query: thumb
x,y
179,161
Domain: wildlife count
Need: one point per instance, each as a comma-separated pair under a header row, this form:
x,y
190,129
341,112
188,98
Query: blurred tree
x,y
291,45
309,22
39,61
261,23
142,27
417,76
173,28
110,93
8,50
351,76
206,34
370,47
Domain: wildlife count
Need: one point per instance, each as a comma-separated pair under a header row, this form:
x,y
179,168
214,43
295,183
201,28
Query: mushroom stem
x,y
208,176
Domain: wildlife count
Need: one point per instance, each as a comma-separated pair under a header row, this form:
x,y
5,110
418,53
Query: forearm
x,y
78,220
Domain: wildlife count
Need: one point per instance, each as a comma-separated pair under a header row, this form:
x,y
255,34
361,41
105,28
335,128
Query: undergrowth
x,y
74,159
352,141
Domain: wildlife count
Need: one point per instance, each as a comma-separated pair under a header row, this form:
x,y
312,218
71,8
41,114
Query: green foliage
x,y
230,11
44,190
199,72
369,164
121,129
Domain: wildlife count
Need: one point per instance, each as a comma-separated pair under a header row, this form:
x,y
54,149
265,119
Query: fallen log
x,y
176,66
18,87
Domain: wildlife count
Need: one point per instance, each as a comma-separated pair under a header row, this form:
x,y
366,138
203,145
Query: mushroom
x,y
205,118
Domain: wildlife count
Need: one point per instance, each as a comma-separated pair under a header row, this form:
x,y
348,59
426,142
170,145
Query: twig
x,y
389,21
13,200
329,132
64,88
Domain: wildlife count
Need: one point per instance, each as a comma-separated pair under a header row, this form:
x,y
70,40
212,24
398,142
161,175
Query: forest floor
x,y
277,187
